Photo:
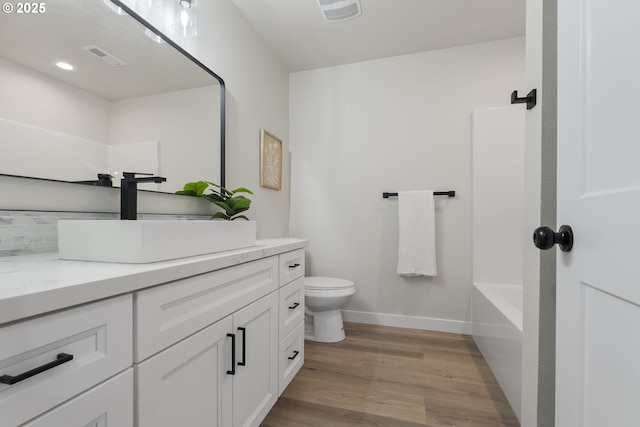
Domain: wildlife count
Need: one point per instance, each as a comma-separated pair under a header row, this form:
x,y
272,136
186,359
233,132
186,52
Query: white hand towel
x,y
417,234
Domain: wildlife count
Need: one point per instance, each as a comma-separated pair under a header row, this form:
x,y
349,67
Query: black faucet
x,y
104,180
129,192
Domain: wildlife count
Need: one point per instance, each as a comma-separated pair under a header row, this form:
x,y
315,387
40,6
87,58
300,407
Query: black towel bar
x,y
435,193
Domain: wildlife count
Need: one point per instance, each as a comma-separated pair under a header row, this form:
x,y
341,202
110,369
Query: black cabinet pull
x,y
233,354
60,359
294,265
244,347
294,306
295,354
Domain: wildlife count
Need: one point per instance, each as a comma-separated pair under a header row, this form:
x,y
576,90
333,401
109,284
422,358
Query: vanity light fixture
x,y
153,36
151,3
339,10
187,18
117,9
64,66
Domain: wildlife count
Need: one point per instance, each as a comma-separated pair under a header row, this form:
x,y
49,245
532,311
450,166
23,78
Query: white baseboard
x,y
400,321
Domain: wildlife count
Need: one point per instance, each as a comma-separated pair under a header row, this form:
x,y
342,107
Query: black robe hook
x,y
530,99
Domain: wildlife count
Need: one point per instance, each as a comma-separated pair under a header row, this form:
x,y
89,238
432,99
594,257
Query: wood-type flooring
x,y
382,376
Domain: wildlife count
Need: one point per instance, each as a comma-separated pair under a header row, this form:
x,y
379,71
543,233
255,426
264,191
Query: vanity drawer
x,y
108,405
291,356
291,266
291,306
169,313
98,336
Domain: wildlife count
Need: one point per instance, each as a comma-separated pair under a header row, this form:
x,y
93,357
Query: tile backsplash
x,y
30,232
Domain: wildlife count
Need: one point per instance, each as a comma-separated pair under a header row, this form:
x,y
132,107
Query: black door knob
x,y
545,238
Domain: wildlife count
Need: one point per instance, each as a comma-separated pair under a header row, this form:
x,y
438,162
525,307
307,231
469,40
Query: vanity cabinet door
x,y
188,384
255,383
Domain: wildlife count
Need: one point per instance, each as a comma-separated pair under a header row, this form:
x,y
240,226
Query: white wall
x,y
399,123
257,97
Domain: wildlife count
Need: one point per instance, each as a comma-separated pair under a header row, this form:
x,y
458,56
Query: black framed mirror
x,y
135,100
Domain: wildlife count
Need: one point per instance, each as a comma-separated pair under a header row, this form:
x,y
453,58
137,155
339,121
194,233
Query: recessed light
x,y
64,66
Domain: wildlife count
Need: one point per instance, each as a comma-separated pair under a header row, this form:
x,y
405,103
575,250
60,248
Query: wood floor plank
x,y
422,377
402,382
294,413
362,396
385,376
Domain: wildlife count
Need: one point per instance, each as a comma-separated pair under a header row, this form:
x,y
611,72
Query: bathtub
x,y
497,330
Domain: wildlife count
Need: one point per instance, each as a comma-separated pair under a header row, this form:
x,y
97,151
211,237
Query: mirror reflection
x,y
86,93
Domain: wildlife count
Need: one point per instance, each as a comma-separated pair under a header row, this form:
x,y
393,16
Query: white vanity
x,y
209,340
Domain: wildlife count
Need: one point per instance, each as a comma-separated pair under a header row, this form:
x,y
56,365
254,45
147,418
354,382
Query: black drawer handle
x,y
296,265
60,359
294,306
233,354
295,354
244,347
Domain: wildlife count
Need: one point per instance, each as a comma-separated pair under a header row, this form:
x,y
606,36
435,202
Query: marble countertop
x,y
36,284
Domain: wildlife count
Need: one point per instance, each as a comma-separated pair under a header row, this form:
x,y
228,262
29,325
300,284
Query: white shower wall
x,y
498,141
498,194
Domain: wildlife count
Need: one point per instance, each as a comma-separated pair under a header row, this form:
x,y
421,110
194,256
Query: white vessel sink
x,y
149,241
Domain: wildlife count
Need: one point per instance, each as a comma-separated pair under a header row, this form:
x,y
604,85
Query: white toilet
x,y
323,297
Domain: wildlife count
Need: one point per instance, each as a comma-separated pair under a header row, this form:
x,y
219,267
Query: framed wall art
x,y
270,160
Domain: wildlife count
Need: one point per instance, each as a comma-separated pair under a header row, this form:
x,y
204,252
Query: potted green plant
x,y
229,200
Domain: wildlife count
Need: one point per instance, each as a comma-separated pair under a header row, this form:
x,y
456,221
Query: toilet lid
x,y
318,282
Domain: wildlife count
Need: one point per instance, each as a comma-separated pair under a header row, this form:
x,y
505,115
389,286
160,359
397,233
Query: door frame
x,y
538,394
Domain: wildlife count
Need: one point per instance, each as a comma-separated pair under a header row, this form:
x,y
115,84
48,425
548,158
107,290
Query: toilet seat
x,y
320,283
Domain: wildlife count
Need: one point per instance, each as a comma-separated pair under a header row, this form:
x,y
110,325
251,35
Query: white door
x,y
598,286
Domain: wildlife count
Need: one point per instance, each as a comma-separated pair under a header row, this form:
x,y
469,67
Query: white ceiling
x,y
298,34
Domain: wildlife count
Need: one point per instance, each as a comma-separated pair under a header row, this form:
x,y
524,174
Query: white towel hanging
x,y
417,234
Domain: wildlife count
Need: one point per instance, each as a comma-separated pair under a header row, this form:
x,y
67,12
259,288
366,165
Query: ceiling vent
x,y
104,56
339,10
